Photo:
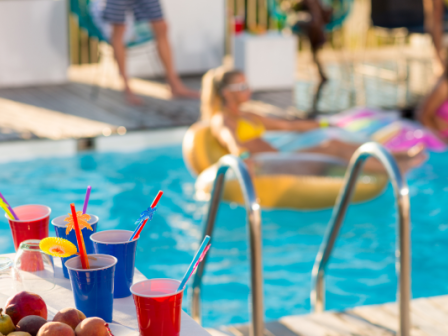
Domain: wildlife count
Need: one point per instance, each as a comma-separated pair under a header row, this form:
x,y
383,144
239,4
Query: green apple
x,y
6,325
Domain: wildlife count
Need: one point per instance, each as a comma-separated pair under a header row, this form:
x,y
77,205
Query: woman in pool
x,y
223,93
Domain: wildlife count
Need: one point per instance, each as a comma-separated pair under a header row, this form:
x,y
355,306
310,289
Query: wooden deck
x,y
91,103
429,317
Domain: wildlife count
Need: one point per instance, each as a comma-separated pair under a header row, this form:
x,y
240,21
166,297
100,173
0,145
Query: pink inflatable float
x,y
387,128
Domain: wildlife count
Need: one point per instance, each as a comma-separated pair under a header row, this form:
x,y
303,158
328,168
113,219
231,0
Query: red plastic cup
x,y
159,306
238,24
33,223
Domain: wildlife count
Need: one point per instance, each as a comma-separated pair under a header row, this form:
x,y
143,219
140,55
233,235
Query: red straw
x,y
157,199
81,246
153,205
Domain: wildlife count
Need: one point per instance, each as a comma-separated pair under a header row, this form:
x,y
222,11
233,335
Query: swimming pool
x,y
361,271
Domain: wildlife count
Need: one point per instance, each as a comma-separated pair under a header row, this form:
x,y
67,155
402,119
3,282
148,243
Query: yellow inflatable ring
x,y
313,182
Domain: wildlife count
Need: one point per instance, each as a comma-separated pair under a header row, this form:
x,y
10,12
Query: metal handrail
x,y
403,252
254,223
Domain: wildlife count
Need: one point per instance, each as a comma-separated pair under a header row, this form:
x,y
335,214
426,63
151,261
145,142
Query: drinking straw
x,y
153,206
148,215
200,254
79,239
199,261
8,209
86,200
157,199
137,231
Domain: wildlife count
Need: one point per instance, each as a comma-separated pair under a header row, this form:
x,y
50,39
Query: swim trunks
x,y
144,10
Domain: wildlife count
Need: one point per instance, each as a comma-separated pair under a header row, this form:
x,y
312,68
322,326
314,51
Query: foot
x,y
181,91
133,99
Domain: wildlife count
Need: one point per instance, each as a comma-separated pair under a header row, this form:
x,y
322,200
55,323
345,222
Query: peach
x,y
55,329
69,316
93,326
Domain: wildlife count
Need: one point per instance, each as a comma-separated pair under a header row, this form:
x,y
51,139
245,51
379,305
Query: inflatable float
x,y
282,180
387,128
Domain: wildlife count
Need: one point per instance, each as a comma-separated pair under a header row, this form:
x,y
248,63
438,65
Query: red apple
x,y
25,304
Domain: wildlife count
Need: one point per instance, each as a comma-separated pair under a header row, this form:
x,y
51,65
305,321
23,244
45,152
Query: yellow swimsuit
x,y
247,130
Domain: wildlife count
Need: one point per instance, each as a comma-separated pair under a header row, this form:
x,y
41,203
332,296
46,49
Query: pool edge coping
x,y
24,150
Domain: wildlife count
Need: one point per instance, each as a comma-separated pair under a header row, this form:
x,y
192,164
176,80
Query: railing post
x,y
403,252
255,239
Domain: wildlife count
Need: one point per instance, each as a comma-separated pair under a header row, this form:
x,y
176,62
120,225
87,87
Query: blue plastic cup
x,y
93,288
59,227
117,244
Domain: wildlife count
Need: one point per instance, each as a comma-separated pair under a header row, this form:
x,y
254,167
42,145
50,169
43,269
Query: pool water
x,y
361,271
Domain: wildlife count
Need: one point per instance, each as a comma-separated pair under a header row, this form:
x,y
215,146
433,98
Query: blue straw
x,y
193,263
135,231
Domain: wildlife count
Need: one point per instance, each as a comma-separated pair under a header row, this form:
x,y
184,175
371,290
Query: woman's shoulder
x,y
251,116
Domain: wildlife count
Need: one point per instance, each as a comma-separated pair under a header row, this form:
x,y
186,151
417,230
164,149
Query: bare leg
x,y
120,57
320,68
345,151
178,89
315,29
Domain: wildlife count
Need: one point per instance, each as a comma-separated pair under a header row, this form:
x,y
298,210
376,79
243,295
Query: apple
x,y
25,304
6,325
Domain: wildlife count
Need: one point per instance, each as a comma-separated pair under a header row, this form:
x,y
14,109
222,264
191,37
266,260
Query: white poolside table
x,y
61,296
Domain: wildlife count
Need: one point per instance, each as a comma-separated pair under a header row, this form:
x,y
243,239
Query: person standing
x,y
151,11
434,11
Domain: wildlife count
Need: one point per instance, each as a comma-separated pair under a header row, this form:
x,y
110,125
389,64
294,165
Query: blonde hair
x,y
212,84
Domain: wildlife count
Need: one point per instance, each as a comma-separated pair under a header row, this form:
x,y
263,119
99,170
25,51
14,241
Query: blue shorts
x,y
144,10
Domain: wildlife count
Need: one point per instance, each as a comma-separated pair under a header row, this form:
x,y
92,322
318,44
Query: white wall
x,y
33,42
197,35
268,60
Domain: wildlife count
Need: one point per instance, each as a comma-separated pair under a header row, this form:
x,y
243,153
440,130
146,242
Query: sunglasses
x,y
238,87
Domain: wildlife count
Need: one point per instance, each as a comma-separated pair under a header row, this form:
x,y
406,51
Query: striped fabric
x,y
144,10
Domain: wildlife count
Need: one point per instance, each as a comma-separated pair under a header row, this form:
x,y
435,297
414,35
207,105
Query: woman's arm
x,y
273,124
434,10
224,132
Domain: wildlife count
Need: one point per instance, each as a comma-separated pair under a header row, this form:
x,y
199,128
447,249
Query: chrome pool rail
x,y
255,241
403,251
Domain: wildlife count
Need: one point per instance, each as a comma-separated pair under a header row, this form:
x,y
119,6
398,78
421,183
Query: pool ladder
x,y
357,161
403,250
254,224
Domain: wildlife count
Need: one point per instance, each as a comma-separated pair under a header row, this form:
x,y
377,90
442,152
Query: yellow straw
x,y
5,208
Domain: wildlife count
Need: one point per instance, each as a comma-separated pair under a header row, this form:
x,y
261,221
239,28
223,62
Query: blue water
x,y
361,271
